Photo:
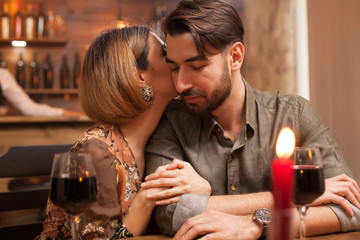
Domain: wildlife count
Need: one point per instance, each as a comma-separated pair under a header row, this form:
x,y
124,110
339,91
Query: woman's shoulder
x,y
100,135
100,132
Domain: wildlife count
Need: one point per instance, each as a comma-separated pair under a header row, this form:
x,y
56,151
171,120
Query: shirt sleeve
x,y
189,205
348,223
316,133
21,101
161,149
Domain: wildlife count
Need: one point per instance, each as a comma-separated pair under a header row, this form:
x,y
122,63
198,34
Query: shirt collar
x,y
250,109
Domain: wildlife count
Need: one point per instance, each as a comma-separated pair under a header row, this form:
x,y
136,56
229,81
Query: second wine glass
x,y
308,181
73,186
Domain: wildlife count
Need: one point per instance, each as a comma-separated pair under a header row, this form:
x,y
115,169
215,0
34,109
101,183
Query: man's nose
x,y
183,81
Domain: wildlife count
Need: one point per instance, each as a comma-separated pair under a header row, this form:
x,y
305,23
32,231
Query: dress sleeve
x,y
122,232
104,216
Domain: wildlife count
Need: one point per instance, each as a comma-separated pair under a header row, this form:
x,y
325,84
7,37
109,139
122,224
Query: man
x,y
224,132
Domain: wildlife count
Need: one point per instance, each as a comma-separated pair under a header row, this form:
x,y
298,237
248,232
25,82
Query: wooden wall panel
x,y
334,47
270,60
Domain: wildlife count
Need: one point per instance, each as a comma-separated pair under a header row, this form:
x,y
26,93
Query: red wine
x,y
74,194
309,183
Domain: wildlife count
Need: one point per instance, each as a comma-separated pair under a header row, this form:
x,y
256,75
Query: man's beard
x,y
220,94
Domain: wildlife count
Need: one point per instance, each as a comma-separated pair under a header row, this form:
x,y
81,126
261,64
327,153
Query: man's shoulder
x,y
274,99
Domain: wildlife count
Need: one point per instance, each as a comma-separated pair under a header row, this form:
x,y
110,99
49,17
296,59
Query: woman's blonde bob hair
x,y
109,89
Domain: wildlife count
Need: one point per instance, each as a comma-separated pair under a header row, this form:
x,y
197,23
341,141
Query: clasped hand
x,y
177,178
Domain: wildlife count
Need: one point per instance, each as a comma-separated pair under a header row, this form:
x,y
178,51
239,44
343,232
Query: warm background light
x,y
285,144
122,23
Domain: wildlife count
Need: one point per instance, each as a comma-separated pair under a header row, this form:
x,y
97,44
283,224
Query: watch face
x,y
262,215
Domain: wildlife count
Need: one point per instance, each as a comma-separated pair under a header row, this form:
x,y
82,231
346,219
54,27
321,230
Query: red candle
x,y
282,183
282,174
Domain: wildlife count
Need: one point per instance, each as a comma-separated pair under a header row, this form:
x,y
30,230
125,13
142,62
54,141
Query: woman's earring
x,y
147,93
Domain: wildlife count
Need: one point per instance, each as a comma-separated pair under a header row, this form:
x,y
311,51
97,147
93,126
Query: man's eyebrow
x,y
192,59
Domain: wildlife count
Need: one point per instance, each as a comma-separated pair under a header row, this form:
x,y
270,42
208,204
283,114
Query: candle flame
x,y
285,144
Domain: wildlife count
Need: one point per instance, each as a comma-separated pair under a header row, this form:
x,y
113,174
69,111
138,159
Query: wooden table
x,y
152,237
338,236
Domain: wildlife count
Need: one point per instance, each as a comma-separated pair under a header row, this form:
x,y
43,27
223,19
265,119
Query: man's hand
x,y
179,177
217,225
336,189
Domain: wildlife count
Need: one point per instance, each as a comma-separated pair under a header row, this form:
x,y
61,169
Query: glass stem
x,y
302,227
75,220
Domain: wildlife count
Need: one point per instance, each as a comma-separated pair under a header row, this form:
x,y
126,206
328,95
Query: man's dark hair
x,y
209,21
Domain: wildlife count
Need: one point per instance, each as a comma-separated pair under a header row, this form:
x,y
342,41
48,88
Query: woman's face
x,y
159,76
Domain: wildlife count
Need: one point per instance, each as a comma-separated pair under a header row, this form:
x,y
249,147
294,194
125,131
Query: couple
x,y
221,172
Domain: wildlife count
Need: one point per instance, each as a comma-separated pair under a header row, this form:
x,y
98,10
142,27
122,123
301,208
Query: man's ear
x,y
237,56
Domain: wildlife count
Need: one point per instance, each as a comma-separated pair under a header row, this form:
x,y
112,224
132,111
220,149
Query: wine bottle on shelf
x,y
50,24
2,61
5,22
76,71
20,71
30,23
18,22
40,24
48,72
34,73
64,73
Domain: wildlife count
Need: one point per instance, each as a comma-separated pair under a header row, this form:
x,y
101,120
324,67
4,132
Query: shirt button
x,y
218,129
232,187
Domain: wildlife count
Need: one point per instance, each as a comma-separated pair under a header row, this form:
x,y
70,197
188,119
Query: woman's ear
x,y
237,56
141,78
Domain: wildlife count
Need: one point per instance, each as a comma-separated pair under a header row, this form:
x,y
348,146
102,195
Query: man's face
x,y
203,82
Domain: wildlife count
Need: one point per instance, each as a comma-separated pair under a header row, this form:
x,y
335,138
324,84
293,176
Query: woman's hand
x,y
140,210
178,178
337,189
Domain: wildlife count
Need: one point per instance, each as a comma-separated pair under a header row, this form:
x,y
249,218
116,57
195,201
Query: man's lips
x,y
191,98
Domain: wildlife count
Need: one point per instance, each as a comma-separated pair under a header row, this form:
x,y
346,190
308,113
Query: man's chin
x,y
197,109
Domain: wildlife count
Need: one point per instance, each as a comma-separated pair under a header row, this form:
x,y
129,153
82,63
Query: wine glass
x,y
73,186
308,181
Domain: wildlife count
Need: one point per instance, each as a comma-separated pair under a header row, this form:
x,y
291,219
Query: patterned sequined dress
x,y
118,181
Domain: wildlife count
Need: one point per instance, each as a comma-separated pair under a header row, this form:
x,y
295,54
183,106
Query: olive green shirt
x,y
240,167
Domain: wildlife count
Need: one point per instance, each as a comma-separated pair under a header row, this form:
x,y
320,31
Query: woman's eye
x,y
174,69
163,52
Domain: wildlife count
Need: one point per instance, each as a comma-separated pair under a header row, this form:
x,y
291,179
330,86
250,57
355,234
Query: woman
x,y
125,88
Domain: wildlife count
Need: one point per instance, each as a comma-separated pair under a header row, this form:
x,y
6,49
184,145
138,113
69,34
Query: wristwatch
x,y
262,216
